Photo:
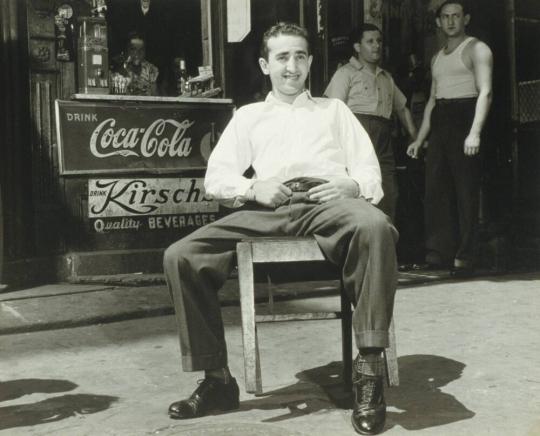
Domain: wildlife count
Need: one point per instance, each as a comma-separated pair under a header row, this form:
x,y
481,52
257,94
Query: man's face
x,y
369,48
287,65
452,20
136,51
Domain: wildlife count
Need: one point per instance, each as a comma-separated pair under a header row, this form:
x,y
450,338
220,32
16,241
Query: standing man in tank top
x,y
372,95
454,116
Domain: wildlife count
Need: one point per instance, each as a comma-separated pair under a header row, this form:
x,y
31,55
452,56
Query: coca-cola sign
x,y
106,141
137,137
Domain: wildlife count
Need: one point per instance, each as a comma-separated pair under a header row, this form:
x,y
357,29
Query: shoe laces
x,y
366,390
204,385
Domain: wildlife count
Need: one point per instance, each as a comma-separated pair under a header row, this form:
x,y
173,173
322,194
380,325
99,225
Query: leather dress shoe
x,y
211,395
369,411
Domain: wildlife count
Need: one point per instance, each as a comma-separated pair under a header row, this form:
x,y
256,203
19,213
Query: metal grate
x,y
529,101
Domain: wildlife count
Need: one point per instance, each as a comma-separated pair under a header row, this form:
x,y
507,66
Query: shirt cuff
x,y
370,190
242,199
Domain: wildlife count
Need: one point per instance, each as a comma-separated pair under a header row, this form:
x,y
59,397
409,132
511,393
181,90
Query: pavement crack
x,y
13,312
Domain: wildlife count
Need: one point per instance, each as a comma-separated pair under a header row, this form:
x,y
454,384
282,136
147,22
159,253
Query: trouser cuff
x,y
205,361
372,339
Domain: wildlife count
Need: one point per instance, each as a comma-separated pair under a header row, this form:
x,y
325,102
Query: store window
x,y
166,34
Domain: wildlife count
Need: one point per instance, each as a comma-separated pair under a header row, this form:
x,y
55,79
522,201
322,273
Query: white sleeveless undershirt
x,y
452,77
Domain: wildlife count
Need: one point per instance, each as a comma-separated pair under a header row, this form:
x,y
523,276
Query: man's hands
x,y
270,193
413,150
472,145
334,190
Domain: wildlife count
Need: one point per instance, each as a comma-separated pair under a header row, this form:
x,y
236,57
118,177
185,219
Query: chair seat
x,y
286,249
291,249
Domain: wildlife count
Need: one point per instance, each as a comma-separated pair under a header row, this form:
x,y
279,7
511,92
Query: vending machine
x,y
93,56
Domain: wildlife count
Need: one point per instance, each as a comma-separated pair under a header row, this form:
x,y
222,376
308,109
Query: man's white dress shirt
x,y
312,137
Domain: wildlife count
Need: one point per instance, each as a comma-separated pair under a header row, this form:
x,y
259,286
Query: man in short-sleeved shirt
x,y
370,92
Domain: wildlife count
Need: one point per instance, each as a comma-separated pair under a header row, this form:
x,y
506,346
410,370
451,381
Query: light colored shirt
x,y
312,137
364,92
452,77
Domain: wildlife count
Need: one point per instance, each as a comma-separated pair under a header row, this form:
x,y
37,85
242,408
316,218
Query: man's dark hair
x,y
282,28
358,33
463,3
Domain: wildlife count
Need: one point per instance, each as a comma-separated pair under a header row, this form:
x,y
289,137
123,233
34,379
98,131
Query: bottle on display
x,y
183,78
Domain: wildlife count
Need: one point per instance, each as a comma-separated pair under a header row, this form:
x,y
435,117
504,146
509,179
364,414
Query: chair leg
x,y
252,365
390,354
346,339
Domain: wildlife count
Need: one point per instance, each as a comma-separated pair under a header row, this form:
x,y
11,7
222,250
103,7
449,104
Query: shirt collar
x,y
301,100
359,66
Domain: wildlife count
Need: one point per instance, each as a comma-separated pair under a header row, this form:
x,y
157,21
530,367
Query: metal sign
x,y
121,137
149,204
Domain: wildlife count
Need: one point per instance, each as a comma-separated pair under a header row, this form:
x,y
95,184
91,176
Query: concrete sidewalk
x,y
102,299
468,354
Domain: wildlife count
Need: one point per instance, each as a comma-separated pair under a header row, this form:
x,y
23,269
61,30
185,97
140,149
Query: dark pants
x,y
1,237
351,233
452,185
379,130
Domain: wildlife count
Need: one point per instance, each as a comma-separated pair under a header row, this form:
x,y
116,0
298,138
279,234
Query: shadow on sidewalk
x,y
49,410
419,399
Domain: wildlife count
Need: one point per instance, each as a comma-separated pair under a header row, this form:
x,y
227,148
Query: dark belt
x,y
303,184
376,118
447,101
299,186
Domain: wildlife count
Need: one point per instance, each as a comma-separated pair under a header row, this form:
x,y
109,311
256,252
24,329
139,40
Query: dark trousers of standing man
x,y
351,233
452,185
379,130
1,240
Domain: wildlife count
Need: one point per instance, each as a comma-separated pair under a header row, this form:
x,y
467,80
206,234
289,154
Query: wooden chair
x,y
291,249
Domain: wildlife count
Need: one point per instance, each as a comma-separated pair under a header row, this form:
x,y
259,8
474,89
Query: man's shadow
x,y
419,399
52,409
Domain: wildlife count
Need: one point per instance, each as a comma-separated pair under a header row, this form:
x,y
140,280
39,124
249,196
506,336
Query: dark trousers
x,y
452,185
379,130
351,233
1,237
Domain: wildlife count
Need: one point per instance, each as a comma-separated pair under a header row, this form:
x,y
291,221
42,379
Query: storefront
x,y
110,179
96,182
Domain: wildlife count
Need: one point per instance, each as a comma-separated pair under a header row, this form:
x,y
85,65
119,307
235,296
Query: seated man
x,y
291,135
135,75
